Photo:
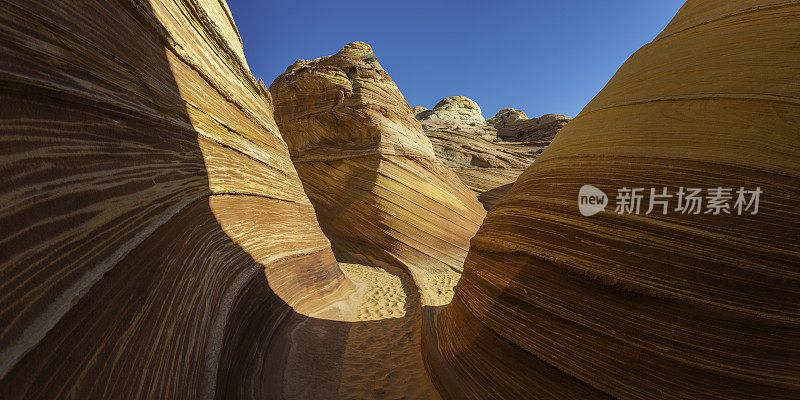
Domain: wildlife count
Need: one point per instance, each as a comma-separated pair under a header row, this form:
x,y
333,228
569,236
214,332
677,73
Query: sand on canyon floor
x,y
383,357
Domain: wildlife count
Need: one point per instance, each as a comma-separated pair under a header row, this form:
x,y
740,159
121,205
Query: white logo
x,y
591,200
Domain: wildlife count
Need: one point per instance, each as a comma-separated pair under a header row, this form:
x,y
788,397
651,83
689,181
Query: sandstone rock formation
x,y
486,165
627,306
380,194
485,161
514,125
508,114
417,110
155,232
158,242
385,201
459,108
163,239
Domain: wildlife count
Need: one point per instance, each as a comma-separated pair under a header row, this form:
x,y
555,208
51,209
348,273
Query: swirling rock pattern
x,y
677,306
484,163
514,125
456,108
381,196
152,218
158,241
487,155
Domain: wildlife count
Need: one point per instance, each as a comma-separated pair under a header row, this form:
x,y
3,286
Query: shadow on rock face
x,y
118,277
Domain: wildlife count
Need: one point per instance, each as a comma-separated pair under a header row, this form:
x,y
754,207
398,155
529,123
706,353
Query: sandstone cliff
x,y
652,306
387,205
485,164
163,239
155,231
158,241
380,194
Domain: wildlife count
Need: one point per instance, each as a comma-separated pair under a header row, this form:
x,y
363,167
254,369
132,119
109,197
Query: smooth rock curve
x,y
630,306
155,231
380,194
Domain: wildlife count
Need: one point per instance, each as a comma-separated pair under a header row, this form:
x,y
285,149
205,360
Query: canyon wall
x,y
553,304
154,228
158,241
380,194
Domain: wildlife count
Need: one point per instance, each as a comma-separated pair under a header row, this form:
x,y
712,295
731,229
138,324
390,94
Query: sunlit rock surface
x,y
158,241
458,108
155,231
556,305
485,161
417,110
380,194
487,165
514,125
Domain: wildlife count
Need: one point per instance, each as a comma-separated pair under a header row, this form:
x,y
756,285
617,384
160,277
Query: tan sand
x,y
383,358
382,294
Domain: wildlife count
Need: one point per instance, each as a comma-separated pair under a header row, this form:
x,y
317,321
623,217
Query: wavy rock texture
x,y
650,306
456,108
381,196
514,125
486,161
155,231
158,241
485,164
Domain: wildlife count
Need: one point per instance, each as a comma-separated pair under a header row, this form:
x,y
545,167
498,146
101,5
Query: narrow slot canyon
x,y
175,228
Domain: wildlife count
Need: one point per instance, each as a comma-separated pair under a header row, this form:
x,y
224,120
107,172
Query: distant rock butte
x,y
507,114
457,108
514,125
485,161
487,167
416,110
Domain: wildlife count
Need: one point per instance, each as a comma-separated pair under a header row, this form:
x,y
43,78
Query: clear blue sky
x,y
539,56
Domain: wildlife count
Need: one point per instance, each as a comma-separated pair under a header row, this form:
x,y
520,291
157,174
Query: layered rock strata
x,y
488,155
514,125
155,231
646,306
455,108
380,194
158,241
487,166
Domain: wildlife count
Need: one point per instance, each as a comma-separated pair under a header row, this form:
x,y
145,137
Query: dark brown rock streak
x,y
654,306
154,230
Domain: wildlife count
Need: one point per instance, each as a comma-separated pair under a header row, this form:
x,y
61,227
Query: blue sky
x,y
539,56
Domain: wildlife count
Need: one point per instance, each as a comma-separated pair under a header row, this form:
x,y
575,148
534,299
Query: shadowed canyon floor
x,y
173,229
383,359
